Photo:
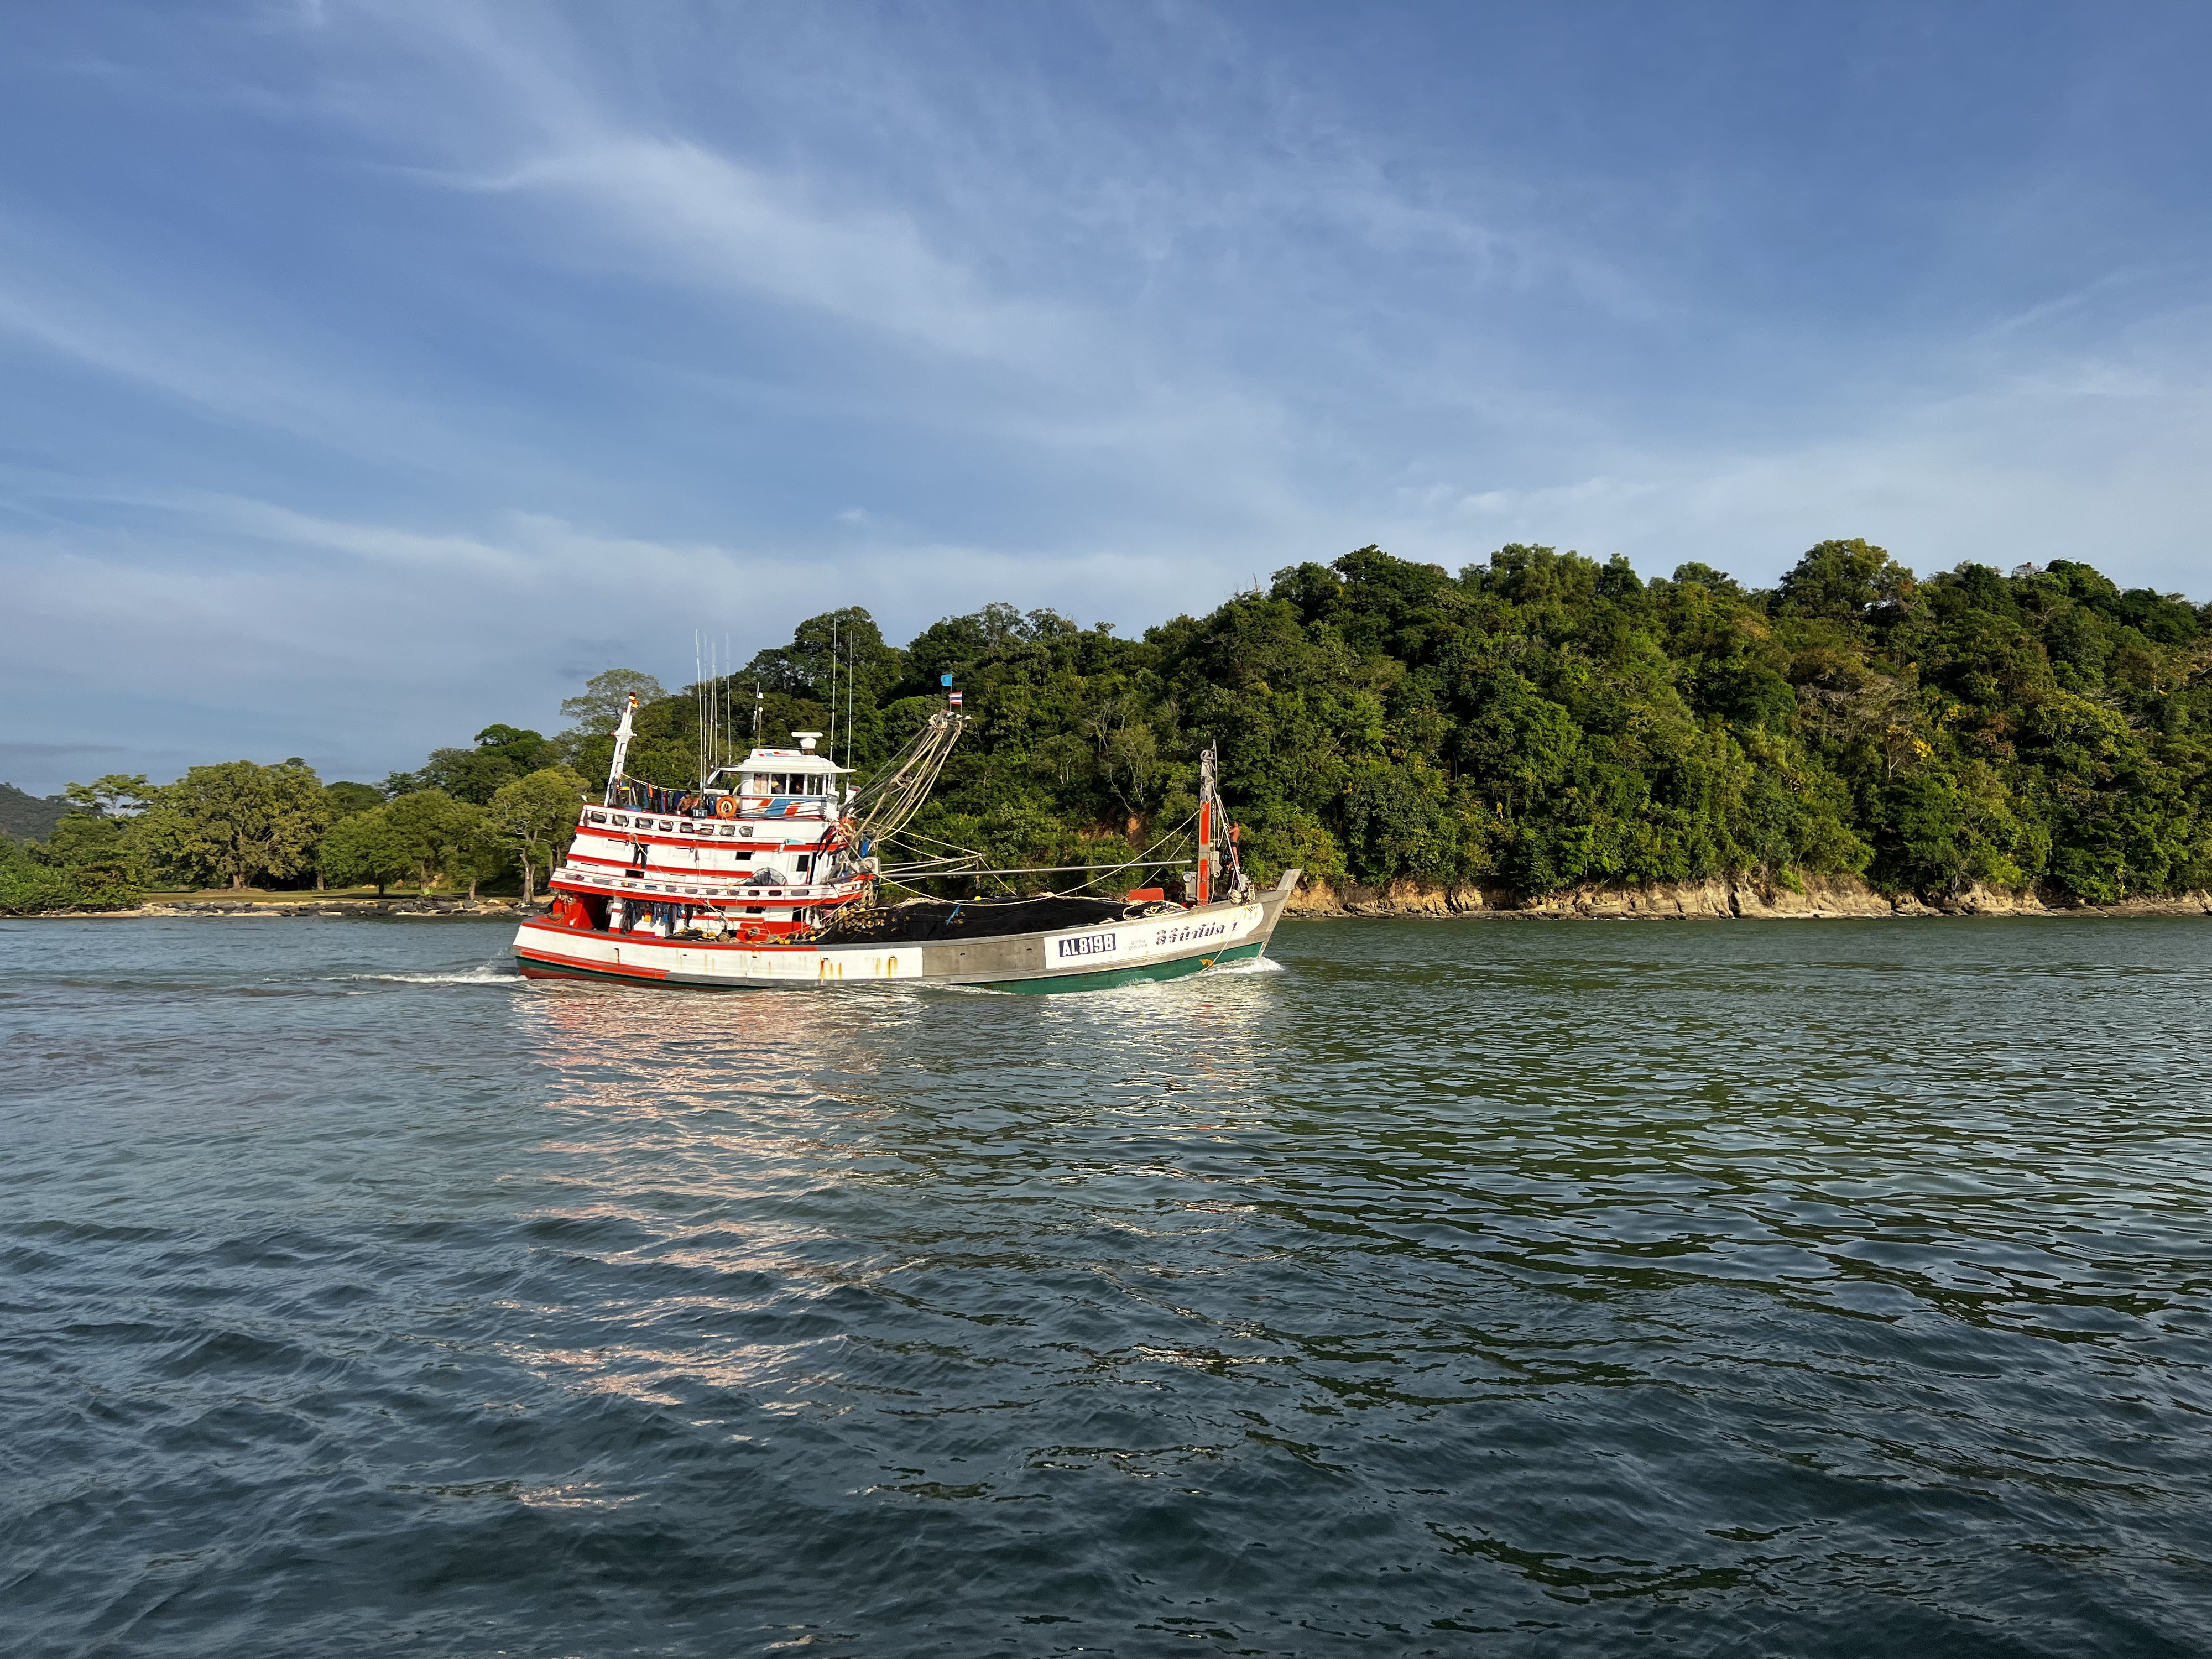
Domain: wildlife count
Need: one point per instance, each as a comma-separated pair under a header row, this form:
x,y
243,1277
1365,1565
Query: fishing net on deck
x,y
922,918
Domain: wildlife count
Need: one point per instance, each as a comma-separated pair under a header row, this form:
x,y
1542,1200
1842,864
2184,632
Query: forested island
x,y
1537,723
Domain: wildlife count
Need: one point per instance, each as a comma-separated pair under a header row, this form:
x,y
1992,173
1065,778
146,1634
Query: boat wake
x,y
486,973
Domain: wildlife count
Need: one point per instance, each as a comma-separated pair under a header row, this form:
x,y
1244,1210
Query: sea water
x,y
1827,1288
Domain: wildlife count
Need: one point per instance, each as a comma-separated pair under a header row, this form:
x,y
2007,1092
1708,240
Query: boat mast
x,y
1207,856
622,750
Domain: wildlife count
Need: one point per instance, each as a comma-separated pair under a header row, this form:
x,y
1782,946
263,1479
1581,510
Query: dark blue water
x,y
1758,1288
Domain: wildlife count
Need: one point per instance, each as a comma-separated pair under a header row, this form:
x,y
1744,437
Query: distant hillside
x,y
26,817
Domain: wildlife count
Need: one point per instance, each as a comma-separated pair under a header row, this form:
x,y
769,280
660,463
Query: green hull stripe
x,y
1108,978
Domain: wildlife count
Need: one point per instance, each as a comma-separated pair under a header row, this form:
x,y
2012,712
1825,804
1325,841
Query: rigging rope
x,y
886,806
1139,859
929,869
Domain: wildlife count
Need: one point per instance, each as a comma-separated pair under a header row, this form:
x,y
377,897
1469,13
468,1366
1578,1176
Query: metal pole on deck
x,y
1205,826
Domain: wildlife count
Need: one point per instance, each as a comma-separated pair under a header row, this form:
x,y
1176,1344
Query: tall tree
x,y
537,816
433,825
472,852
599,708
588,747
94,840
236,823
366,847
115,796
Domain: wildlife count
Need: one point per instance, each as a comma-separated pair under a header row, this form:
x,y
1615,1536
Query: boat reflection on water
x,y
689,1054
746,1178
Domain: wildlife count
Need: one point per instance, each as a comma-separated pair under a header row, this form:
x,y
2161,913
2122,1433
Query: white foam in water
x,y
488,973
1249,965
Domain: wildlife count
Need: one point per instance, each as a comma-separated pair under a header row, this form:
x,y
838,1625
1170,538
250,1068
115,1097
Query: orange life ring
x,y
726,807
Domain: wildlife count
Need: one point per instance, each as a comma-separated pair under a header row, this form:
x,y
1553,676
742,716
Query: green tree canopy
x,y
536,817
235,823
598,709
115,796
1537,721
346,798
367,847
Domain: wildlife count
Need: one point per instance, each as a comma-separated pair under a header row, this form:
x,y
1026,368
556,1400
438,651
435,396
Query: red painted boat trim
x,y
663,943
749,911
672,838
726,881
624,970
662,842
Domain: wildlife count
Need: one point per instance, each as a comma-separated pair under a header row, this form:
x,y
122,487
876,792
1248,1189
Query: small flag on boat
x,y
956,699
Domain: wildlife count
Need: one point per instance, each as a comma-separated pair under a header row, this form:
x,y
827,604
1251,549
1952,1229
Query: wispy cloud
x,y
687,214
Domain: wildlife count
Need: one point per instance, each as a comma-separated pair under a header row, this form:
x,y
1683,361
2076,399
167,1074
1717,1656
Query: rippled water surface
x,y
1829,1288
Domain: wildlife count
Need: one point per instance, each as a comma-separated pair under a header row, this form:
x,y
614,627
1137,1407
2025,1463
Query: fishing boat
x,y
770,875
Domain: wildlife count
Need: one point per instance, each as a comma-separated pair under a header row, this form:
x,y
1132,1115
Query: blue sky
x,y
374,373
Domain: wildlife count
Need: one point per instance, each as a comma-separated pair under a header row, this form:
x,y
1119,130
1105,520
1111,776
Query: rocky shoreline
x,y
1720,899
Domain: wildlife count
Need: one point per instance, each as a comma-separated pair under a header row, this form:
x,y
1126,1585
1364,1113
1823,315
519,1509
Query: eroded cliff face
x,y
1722,898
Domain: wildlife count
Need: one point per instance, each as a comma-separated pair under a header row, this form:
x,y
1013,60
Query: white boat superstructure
x,y
757,853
